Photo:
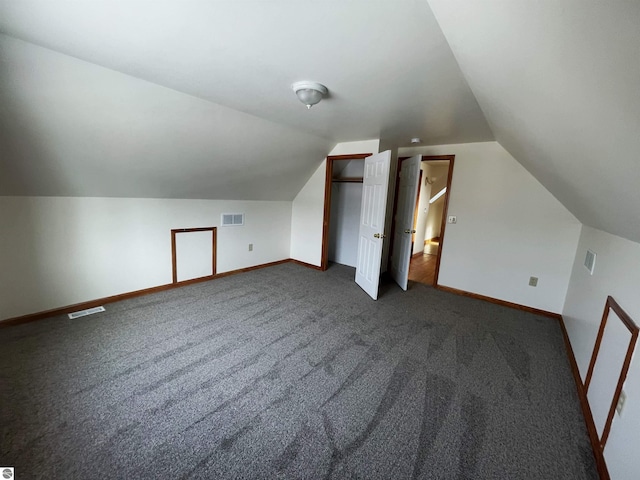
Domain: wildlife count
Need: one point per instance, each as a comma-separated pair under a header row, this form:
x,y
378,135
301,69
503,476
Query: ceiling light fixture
x,y
309,93
415,140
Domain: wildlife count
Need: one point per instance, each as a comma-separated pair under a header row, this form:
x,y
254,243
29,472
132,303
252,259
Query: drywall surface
x,y
346,201
427,225
60,250
70,128
307,219
616,273
423,208
307,214
509,228
360,146
353,169
433,225
558,84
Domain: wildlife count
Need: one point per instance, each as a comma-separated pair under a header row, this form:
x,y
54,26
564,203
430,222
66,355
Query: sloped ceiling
x,y
559,83
73,128
192,99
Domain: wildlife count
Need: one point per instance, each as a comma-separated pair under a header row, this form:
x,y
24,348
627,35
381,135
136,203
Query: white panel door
x,y
375,186
407,193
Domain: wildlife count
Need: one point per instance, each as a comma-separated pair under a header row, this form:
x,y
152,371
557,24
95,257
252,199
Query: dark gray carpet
x,y
287,372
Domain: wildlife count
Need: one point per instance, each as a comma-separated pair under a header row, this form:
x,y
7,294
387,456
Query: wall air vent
x,y
231,219
84,313
590,261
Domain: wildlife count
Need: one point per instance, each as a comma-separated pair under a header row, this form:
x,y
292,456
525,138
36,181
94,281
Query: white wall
x,y
617,273
307,215
57,251
360,146
509,228
430,215
423,208
433,225
346,201
353,169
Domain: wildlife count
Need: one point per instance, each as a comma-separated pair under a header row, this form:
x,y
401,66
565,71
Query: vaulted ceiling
x,y
192,99
559,83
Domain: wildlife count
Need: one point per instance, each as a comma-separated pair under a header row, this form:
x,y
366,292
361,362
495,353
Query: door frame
x,y
445,209
324,260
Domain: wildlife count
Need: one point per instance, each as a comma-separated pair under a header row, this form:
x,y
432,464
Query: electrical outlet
x,y
533,281
251,247
621,400
452,219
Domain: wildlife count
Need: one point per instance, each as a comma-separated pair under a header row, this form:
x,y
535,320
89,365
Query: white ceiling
x,y
73,128
192,99
559,83
389,69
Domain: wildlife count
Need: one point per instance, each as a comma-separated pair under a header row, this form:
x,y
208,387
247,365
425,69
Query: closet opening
x,y
343,201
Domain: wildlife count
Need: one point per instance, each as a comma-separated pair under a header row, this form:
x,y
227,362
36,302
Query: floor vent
x,y
84,313
590,261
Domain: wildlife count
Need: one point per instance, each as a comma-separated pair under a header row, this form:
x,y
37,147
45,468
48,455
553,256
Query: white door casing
x,y
375,187
407,194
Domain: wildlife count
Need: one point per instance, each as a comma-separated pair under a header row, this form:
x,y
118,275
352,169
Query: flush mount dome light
x,y
309,93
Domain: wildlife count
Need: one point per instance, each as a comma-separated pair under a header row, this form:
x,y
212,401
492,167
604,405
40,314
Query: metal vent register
x,y
232,219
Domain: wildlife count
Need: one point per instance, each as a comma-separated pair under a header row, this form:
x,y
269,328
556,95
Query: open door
x,y
375,187
403,234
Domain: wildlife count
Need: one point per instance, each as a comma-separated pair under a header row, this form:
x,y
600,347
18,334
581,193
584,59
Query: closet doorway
x,y
343,201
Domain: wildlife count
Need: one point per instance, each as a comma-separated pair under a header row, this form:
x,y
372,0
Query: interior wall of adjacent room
x,y
424,194
60,251
307,215
509,227
433,225
346,202
430,224
616,273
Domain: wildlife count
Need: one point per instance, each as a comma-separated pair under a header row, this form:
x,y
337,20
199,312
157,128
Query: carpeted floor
x,y
287,372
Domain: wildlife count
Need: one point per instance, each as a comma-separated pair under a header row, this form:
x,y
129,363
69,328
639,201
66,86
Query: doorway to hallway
x,y
422,268
430,216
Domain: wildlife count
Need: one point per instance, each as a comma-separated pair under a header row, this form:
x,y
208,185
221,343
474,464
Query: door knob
x,y
409,231
379,235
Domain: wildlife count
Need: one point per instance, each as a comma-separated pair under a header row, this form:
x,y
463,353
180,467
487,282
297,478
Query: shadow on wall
x,y
28,163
